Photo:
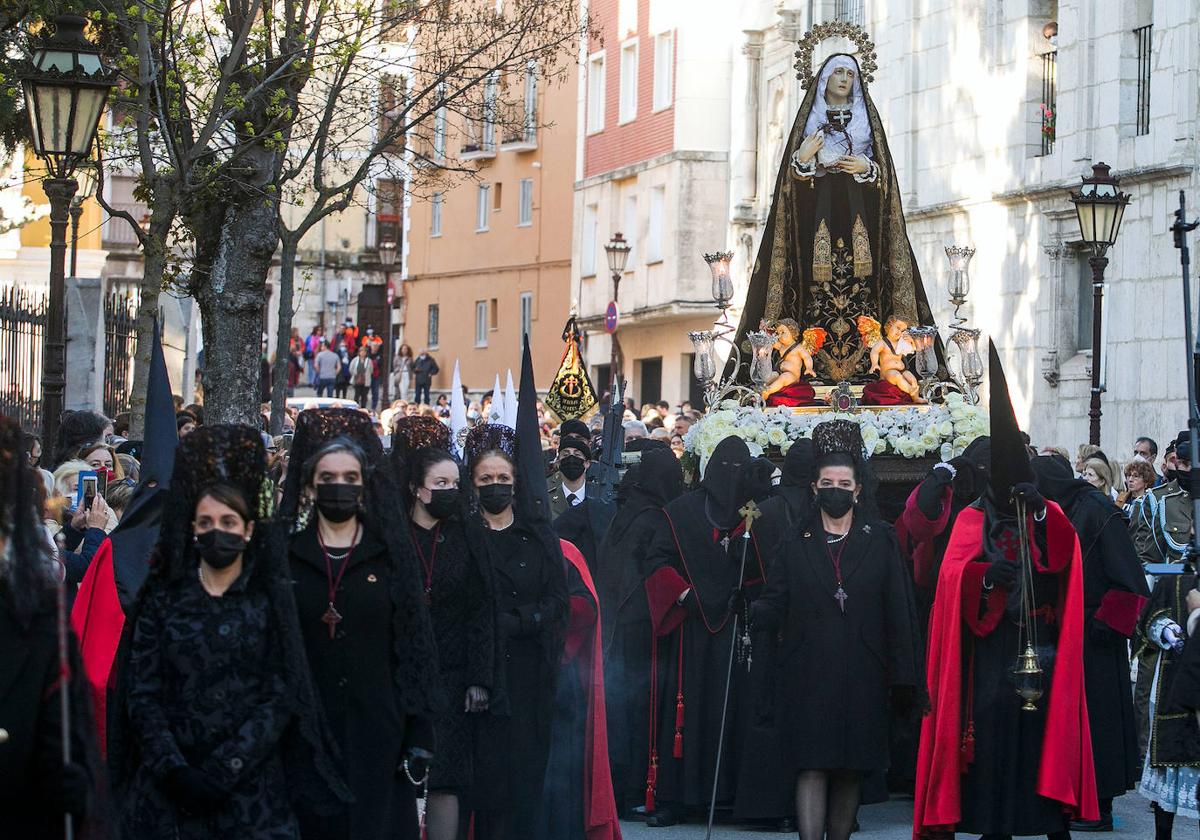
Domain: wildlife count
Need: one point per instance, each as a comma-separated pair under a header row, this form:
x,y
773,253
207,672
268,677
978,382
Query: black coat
x,y
31,764
585,525
837,668
354,674
461,606
207,690
1174,737
424,369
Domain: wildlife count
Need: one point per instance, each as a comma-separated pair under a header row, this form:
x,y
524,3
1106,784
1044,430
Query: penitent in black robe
x,y
687,551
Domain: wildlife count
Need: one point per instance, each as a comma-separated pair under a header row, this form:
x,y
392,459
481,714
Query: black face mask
x,y
496,498
442,503
219,548
338,502
836,501
1171,475
571,467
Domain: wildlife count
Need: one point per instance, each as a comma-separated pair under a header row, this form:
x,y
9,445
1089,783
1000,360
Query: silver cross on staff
x,y
749,513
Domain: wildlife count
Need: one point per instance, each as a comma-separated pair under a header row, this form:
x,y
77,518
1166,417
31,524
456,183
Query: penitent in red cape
x,y
1066,773
584,641
98,621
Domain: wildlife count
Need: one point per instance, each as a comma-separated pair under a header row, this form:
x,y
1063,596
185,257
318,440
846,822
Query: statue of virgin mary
x,y
835,246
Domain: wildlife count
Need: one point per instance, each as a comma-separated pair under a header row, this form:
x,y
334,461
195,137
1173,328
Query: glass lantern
x,y
924,339
705,366
761,343
971,363
722,283
959,257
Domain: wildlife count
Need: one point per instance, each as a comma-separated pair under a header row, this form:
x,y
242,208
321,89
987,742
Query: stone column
x,y
745,163
85,344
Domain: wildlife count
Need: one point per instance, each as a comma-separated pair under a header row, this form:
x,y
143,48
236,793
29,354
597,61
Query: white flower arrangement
x,y
941,430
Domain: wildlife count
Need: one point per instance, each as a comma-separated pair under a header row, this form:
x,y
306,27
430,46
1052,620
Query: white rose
x,y
776,436
785,446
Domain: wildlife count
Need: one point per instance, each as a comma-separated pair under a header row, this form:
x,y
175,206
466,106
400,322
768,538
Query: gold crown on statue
x,y
835,29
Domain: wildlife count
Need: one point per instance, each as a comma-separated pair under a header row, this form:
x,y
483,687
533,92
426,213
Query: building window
x,y
439,135
482,208
654,232
490,98
435,215
629,82
389,201
481,323
391,114
526,314
630,220
525,203
432,341
531,103
627,17
595,114
587,249
1049,103
497,193
664,70
1144,37
851,11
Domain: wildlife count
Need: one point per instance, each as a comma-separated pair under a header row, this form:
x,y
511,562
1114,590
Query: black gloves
x,y
193,790
416,764
929,496
738,602
1029,494
71,797
1001,573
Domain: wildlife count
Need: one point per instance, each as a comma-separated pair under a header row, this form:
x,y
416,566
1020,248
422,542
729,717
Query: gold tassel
x,y
863,265
822,255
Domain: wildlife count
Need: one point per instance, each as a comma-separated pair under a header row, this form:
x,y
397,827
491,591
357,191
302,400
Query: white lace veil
x,y
859,127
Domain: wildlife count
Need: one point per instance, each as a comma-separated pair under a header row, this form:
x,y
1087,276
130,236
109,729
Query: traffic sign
x,y
611,316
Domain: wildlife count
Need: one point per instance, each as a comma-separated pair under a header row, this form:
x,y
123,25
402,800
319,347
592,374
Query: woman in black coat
x,y
531,607
365,623
457,581
216,723
840,601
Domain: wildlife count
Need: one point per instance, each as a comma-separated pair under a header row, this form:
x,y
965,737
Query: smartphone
x,y
102,484
85,491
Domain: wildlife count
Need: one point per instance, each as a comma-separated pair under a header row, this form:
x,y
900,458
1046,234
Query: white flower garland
x,y
941,430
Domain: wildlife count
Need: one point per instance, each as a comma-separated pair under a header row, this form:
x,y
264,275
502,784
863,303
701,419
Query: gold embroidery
x,y
822,255
863,265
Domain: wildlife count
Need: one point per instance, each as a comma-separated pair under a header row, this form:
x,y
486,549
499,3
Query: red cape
x,y
1066,773
98,621
584,640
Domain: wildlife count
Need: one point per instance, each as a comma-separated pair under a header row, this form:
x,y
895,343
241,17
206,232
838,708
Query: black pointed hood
x,y
137,533
533,500
1010,459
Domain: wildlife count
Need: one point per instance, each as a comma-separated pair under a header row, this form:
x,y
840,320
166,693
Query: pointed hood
x,y
135,536
1010,459
496,407
533,501
458,413
612,446
510,403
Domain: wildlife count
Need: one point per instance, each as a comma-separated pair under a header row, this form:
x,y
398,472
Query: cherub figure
x,y
889,346
796,353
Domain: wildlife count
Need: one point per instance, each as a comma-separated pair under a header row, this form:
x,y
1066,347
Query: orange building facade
x,y
489,259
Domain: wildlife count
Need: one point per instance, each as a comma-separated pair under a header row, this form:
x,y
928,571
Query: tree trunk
x,y
231,307
154,261
283,337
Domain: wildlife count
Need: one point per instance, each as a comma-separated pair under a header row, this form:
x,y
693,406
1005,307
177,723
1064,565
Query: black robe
x,y
1114,591
1174,737
585,525
512,748
836,667
688,552
461,607
354,676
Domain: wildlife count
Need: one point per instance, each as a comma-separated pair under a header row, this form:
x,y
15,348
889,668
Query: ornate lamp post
x,y
1100,206
617,251
66,85
387,257
85,179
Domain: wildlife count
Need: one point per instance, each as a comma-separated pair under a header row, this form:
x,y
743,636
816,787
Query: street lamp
x,y
85,180
387,257
66,84
1100,206
617,251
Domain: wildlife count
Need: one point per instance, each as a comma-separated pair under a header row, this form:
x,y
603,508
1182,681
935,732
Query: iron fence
x,y
1145,38
22,328
120,349
1049,105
